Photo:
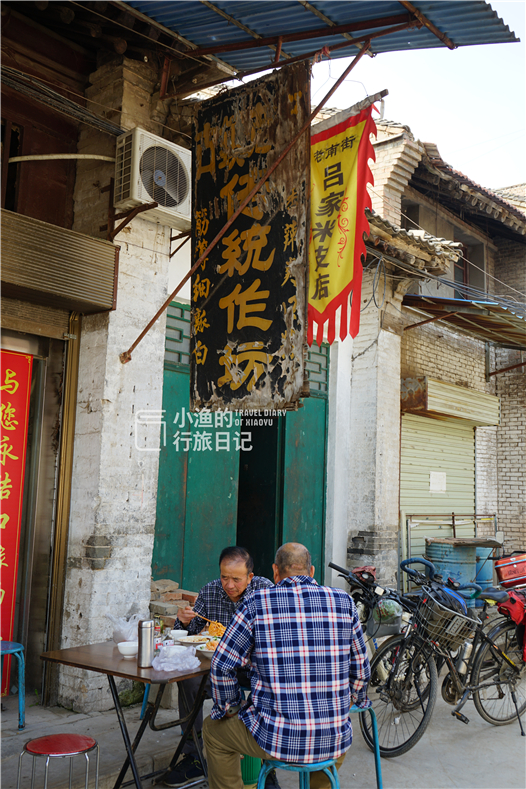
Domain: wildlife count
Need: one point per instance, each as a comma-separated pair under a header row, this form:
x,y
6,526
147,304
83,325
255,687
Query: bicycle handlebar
x,y
417,560
476,587
337,567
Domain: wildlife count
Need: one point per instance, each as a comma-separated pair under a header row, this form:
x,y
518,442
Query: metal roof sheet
x,y
488,321
465,22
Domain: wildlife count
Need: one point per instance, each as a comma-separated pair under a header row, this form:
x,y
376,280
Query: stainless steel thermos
x,y
145,638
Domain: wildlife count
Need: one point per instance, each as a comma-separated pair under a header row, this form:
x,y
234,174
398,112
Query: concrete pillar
x,y
338,459
114,483
374,468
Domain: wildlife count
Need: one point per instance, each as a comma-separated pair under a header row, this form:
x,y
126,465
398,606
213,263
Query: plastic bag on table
x,y
125,629
175,658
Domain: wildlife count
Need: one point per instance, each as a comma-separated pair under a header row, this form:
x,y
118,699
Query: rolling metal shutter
x,y
437,478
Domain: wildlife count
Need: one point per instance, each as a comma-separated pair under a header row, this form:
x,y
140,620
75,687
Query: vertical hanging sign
x,y
248,338
15,384
340,173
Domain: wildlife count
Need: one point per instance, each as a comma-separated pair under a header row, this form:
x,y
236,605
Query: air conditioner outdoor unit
x,y
149,169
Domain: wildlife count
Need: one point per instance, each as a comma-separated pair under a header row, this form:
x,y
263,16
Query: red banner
x,y
340,173
15,385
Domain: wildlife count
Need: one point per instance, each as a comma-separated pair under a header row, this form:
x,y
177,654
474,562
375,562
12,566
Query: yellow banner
x,y
339,176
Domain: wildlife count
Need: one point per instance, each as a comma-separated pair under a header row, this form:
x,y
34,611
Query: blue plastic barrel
x,y
484,575
456,562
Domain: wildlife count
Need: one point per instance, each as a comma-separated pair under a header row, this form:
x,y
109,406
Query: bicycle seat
x,y
497,595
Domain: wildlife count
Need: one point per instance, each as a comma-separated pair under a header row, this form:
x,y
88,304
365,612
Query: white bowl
x,y
177,634
128,649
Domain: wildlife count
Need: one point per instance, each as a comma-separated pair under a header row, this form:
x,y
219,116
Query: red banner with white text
x,y
340,173
15,386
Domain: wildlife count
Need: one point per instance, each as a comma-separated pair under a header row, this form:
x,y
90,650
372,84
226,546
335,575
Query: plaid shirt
x,y
308,665
214,603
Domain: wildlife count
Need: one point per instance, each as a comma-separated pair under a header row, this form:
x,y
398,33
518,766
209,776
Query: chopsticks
x,y
203,617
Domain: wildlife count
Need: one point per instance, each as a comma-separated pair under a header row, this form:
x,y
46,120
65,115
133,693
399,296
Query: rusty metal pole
x,y
125,356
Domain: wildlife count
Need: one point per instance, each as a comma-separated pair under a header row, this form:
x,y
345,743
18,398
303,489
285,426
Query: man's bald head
x,y
292,559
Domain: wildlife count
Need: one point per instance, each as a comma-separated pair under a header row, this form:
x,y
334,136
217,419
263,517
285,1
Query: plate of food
x,y
208,648
192,641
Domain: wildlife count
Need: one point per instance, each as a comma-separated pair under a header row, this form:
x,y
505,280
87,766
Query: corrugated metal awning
x,y
211,26
427,396
488,321
47,264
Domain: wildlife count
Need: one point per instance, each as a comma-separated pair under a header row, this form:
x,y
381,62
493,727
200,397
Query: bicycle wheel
x,y
494,702
403,690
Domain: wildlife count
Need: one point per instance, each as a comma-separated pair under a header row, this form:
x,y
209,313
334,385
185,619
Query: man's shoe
x,y
272,781
188,769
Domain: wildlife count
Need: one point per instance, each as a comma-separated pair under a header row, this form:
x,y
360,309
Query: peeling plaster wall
x,y
373,489
114,485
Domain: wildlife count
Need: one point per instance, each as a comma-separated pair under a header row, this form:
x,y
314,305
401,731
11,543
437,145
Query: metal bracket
x,y
127,216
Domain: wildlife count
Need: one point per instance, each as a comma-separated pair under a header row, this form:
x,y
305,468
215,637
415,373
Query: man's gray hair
x,y
293,559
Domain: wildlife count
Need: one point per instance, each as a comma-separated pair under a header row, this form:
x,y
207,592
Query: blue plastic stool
x,y
12,648
328,767
377,764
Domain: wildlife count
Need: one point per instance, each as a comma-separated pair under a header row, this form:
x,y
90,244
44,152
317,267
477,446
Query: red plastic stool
x,y
62,746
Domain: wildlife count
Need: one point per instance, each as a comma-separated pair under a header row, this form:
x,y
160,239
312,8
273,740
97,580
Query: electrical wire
x,y
473,294
380,266
486,273
92,101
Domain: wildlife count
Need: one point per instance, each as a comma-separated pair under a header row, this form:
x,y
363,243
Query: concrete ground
x,y
451,754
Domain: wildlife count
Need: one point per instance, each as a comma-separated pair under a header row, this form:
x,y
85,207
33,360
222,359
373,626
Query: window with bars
x,y
177,350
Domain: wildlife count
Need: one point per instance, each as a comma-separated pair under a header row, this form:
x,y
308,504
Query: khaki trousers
x,y
225,740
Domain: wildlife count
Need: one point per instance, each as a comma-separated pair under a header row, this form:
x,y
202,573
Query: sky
x,y
470,101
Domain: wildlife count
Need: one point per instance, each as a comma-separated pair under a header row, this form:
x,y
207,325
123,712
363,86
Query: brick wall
x,y
510,268
511,450
396,161
437,352
486,489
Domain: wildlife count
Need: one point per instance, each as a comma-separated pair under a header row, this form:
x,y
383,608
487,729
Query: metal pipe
x,y
52,156
125,356
181,245
304,35
505,369
429,320
313,54
427,23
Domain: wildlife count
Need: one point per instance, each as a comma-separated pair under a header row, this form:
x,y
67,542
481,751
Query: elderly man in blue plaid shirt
x,y
308,665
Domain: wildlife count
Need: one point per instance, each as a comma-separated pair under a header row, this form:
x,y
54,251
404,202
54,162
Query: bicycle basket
x,y
440,624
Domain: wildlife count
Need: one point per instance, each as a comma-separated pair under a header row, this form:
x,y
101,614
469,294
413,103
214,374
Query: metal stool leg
x,y
265,769
21,690
97,768
19,770
145,700
45,771
377,763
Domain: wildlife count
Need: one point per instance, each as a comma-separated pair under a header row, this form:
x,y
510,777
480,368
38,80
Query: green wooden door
x,y
208,499
305,463
198,474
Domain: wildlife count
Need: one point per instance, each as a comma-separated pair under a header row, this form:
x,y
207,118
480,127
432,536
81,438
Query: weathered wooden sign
x,y
248,342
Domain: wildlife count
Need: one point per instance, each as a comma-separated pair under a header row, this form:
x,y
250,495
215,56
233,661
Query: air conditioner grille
x,y
164,176
123,169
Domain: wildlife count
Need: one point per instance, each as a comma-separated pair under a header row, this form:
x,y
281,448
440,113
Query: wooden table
x,y
106,659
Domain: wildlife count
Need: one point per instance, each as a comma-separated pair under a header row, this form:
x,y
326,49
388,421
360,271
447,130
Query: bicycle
x,y
367,594
487,667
